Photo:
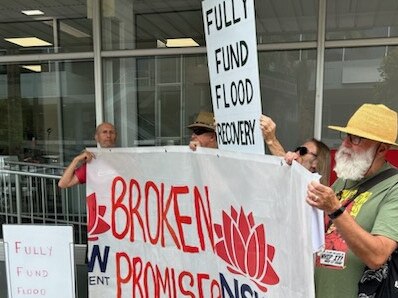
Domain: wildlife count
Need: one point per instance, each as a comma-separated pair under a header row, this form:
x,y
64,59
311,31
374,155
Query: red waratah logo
x,y
96,225
243,246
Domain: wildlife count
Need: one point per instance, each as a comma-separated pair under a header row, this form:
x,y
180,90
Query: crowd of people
x,y
361,225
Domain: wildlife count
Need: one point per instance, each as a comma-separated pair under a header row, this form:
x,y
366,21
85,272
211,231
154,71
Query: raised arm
x,y
268,128
69,177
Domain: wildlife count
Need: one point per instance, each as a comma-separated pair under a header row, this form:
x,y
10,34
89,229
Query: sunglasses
x,y
200,130
355,140
304,150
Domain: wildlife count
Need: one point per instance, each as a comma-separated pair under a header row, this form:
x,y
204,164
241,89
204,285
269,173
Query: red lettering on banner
x,y
137,264
165,285
118,206
121,280
206,211
167,223
201,277
149,279
145,279
156,214
181,284
159,204
215,286
181,219
134,208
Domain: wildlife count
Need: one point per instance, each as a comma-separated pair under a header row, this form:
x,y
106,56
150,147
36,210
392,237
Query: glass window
x,y
150,23
363,75
48,110
361,19
62,27
286,21
287,80
152,99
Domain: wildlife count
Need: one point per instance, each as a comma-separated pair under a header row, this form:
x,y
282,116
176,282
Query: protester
x,y
314,155
75,173
364,231
203,131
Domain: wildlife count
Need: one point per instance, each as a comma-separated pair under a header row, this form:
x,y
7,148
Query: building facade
x,y
113,60
72,64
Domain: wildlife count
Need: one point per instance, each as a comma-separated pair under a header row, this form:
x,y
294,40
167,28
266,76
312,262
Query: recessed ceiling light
x,y
181,42
36,68
160,44
34,12
28,41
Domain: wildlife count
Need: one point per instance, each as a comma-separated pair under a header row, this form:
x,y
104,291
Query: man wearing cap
x,y
363,231
203,131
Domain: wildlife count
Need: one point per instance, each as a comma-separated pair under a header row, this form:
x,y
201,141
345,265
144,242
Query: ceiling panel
x,y
146,21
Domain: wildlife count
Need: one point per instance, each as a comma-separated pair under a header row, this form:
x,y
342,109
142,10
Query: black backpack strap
x,y
368,184
376,179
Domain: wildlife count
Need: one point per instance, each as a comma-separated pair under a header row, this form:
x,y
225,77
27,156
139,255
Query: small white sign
x,y
230,32
39,261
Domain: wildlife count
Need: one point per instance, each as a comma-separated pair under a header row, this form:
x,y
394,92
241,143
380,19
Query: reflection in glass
x,y
364,19
148,24
287,80
354,79
286,21
164,95
48,115
160,96
64,27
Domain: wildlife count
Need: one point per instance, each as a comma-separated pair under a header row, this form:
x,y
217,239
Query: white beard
x,y
353,165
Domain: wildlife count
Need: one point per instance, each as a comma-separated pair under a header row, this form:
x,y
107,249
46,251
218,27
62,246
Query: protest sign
x,y
233,69
39,261
169,222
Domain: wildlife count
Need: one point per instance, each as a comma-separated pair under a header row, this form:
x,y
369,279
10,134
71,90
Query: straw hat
x,y
374,122
204,119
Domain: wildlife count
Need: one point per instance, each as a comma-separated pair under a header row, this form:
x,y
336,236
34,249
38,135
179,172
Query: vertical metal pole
x,y
60,102
18,194
182,99
158,119
320,67
44,201
54,190
99,107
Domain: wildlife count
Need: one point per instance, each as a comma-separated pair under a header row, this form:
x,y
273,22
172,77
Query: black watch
x,y
336,213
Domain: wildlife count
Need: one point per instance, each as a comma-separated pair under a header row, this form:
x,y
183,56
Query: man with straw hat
x,y
361,231
203,131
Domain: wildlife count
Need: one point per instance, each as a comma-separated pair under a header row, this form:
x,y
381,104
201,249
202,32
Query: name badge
x,y
332,258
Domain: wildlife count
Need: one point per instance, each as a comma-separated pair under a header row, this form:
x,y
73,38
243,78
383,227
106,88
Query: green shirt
x,y
376,211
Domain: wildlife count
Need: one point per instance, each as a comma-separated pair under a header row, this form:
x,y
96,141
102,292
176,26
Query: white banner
x,y
230,32
169,222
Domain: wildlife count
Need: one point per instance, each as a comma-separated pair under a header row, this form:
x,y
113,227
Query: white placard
x,y
39,261
233,68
